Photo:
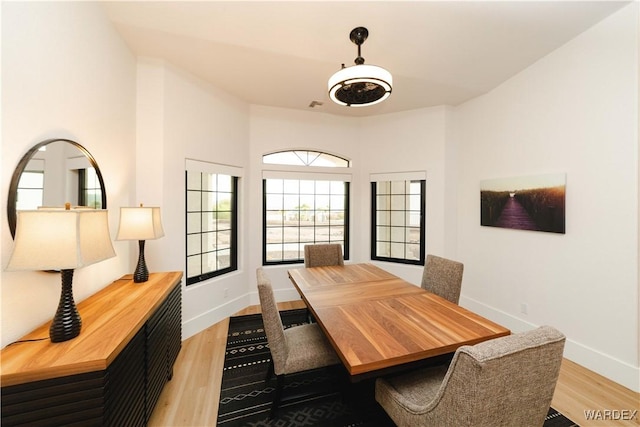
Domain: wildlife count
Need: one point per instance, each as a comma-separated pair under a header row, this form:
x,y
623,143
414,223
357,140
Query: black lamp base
x,y
67,322
141,274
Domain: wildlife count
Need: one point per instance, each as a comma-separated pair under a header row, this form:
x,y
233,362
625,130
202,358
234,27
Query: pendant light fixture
x,y
360,85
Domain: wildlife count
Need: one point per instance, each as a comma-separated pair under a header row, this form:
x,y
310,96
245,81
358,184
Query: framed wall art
x,y
534,203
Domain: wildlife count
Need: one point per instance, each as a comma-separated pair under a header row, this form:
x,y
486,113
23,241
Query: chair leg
x,y
310,318
278,396
270,371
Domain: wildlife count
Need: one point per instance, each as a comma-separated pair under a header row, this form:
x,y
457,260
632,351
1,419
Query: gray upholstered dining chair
x,y
443,277
296,349
322,254
507,381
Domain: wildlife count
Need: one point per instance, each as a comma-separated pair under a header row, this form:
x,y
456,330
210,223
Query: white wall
x,y
576,112
70,76
180,117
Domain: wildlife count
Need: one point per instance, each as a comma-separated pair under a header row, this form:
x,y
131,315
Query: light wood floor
x,y
191,397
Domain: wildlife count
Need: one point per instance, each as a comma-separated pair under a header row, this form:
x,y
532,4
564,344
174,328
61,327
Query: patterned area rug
x,y
319,398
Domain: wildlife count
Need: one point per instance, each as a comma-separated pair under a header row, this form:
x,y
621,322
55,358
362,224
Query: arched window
x,y
304,207
305,158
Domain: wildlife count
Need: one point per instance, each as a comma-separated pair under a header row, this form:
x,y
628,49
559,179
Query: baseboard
x,y
592,359
603,364
201,322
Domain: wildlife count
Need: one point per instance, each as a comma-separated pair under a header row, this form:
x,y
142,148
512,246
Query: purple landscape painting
x,y
524,203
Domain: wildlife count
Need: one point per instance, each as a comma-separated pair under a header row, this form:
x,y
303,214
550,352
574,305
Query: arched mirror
x,y
52,173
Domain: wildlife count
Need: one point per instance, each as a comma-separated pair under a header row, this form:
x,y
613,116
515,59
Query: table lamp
x,y
141,224
61,239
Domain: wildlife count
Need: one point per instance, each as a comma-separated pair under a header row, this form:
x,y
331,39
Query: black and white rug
x,y
319,398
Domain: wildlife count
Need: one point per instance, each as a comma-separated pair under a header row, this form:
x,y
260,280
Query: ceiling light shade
x,y
360,85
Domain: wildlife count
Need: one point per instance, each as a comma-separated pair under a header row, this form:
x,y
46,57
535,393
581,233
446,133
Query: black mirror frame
x,y
15,179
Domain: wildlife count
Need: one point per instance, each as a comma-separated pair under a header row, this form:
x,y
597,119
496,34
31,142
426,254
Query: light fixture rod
x,y
358,36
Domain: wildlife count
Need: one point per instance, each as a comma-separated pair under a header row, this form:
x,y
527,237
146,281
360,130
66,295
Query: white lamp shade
x,y
140,223
363,73
60,239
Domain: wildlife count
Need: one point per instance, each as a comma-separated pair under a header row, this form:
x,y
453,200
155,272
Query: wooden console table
x,y
112,374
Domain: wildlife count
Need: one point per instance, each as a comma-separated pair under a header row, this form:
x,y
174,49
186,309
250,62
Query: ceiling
x,y
281,53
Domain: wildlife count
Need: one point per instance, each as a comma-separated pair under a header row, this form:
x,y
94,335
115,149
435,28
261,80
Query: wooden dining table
x,y
379,323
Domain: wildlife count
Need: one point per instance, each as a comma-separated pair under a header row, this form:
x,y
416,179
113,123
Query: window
x,y
302,207
90,191
300,212
30,194
212,224
398,221
305,158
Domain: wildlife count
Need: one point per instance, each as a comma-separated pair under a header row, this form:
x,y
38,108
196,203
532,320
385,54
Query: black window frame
x,y
346,226
233,250
374,226
85,189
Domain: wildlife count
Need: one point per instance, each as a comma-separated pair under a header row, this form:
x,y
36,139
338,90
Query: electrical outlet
x,y
523,308
226,292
